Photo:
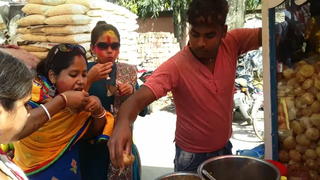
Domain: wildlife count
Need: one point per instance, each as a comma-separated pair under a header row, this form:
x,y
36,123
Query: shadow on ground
x,y
151,173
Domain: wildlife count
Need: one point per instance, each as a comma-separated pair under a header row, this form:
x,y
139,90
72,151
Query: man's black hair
x,y
208,12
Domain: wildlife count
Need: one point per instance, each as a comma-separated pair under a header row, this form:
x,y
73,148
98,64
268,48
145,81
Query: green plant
x,y
252,4
143,7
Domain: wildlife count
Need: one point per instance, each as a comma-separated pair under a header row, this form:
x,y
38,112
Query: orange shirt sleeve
x,y
164,79
244,39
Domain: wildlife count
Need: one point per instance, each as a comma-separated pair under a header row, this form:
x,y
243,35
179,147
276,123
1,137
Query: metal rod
x,y
208,174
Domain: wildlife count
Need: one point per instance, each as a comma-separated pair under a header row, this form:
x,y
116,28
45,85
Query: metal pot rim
x,y
237,156
177,173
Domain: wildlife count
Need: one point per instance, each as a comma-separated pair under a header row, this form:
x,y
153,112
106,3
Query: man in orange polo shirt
x,y
201,78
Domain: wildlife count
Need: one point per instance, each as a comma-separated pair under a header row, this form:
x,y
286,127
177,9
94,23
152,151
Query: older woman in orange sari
x,y
51,152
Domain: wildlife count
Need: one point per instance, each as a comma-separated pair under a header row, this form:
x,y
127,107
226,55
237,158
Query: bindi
x,y
109,35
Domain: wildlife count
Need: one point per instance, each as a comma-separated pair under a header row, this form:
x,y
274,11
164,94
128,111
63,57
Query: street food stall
x,y
292,87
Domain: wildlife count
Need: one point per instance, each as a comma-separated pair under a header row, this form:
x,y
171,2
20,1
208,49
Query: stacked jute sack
x,y
50,22
126,23
156,47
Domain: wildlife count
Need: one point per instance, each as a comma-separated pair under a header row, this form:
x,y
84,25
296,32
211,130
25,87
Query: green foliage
x,y
143,7
252,4
179,7
129,4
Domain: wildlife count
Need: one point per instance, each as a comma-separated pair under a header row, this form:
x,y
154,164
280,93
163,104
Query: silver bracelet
x,y
46,110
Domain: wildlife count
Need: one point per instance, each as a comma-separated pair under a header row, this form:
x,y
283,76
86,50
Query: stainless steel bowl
x,y
179,176
239,168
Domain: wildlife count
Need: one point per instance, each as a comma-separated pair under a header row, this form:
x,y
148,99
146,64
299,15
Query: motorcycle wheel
x,y
258,120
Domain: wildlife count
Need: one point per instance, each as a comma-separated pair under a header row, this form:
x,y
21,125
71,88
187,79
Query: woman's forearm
x,y
96,127
38,116
89,83
98,123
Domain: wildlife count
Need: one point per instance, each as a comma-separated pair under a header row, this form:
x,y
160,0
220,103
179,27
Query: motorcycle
x,y
143,73
242,99
248,101
248,98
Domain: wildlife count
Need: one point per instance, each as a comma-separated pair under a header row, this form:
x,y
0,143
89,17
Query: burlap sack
x,y
32,37
68,20
35,8
70,29
66,9
48,2
86,46
31,48
92,4
23,31
72,39
31,20
99,13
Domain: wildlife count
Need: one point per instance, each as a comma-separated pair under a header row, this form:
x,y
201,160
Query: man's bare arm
x,y
135,104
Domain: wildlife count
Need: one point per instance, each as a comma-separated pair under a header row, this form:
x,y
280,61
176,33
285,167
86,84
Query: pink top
x,y
203,101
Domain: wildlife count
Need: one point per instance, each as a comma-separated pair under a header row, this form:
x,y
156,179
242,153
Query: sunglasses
x,y
68,48
112,90
105,46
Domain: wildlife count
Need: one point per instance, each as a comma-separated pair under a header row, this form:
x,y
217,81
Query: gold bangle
x,y
103,114
65,98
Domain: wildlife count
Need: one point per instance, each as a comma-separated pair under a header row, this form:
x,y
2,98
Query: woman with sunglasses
x,y
15,93
64,112
113,83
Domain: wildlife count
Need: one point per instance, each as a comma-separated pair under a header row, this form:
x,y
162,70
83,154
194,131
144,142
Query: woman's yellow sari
x,y
54,144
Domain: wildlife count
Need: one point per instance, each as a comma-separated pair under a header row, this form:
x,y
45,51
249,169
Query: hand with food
x,y
126,89
120,143
128,159
99,71
94,105
75,99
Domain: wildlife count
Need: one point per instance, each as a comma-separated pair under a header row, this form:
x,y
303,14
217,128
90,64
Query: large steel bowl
x,y
239,168
179,176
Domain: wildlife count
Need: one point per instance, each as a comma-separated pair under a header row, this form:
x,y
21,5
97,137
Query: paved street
x,y
154,135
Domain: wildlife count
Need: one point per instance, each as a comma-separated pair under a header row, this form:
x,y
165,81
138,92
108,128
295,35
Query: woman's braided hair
x,y
208,12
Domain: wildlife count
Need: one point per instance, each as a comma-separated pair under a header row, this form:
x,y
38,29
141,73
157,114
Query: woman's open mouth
x,y
78,89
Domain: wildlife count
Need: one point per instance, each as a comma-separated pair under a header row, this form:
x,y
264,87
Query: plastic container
x,y
257,152
282,168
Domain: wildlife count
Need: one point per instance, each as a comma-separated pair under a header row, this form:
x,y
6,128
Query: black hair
x,y
15,81
57,61
207,12
100,28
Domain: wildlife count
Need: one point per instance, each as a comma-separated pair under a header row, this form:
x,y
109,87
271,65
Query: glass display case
x,y
291,60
